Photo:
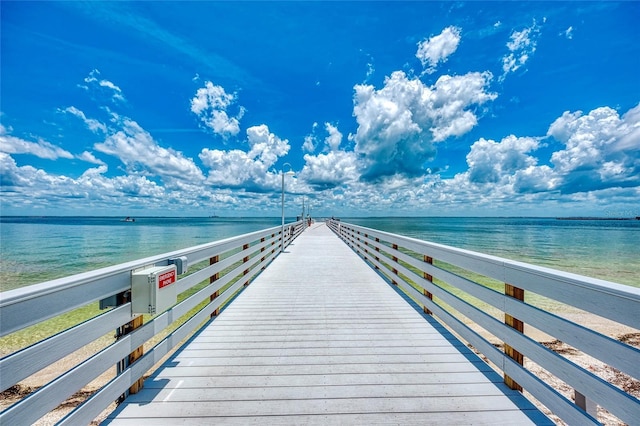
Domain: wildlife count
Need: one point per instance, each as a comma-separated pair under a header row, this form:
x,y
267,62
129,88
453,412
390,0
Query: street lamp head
x,y
290,172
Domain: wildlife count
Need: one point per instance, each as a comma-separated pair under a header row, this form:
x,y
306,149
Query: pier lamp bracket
x,y
181,264
115,300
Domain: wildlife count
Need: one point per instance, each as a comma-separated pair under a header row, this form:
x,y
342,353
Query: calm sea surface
x,y
35,249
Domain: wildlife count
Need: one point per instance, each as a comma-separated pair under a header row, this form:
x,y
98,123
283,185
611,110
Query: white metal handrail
x,y
233,263
409,263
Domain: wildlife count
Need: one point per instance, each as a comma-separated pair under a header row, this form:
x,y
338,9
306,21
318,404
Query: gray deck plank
x,y
326,369
296,407
483,418
319,380
320,338
215,352
305,392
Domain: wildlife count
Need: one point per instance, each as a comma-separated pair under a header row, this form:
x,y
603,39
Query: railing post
x,y
137,353
429,260
213,278
378,250
395,259
516,293
132,357
245,260
273,243
586,404
262,251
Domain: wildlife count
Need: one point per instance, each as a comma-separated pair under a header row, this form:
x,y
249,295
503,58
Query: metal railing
x,y
215,273
448,281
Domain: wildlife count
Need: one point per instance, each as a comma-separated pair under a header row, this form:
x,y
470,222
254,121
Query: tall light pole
x,y
290,172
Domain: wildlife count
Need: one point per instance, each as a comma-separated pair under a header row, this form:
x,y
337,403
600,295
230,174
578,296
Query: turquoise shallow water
x,y
605,249
35,249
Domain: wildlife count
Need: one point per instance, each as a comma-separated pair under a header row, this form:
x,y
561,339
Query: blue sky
x,y
380,108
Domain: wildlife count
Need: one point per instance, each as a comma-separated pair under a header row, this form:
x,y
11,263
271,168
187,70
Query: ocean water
x,y
605,249
37,249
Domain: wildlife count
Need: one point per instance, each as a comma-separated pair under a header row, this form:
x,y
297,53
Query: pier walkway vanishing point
x,y
320,337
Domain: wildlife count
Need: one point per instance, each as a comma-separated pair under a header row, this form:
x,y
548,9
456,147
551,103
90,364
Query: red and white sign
x,y
166,278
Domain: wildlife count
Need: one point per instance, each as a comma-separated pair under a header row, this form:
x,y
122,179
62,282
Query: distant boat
x,y
128,219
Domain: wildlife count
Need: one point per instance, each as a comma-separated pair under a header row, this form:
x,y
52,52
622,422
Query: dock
x,y
320,337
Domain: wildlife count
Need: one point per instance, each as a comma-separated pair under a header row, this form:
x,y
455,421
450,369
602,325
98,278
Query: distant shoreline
x,y
598,218
324,217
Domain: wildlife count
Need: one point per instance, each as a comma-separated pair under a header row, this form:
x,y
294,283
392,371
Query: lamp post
x,y
290,172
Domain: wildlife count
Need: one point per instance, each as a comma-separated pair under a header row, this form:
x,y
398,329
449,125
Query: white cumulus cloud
x,y
310,141
601,149
140,153
399,124
334,139
330,170
250,170
438,48
600,153
333,168
309,144
210,105
266,146
489,161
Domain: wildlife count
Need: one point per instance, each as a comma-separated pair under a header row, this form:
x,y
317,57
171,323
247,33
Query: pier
x,y
346,325
319,337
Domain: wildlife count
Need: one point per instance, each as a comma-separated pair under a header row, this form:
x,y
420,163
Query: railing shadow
x,y
514,396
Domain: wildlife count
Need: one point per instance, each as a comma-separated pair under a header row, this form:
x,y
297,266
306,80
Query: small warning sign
x,y
166,278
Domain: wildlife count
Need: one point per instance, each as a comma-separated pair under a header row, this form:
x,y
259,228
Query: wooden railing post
x,y
122,331
133,356
586,404
378,250
213,278
395,259
366,243
245,260
516,293
137,353
429,278
273,243
262,251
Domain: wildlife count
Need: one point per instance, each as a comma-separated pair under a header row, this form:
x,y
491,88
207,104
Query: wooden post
x,y
245,260
132,357
429,278
516,293
262,251
136,354
378,250
395,259
213,278
122,331
273,243
586,404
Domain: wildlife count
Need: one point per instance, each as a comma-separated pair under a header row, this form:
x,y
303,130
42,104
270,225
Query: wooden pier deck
x,y
320,338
